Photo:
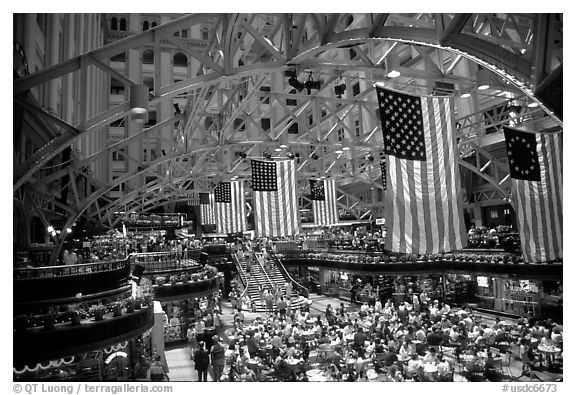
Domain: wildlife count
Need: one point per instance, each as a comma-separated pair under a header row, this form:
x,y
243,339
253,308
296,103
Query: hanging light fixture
x,y
392,63
483,79
138,102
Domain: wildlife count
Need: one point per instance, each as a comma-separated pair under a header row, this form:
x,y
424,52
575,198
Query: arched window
x,y
123,24
114,23
154,24
180,59
148,57
145,25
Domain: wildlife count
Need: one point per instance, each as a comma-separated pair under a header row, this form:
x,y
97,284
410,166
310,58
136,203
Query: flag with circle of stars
x,y
264,176
402,125
317,190
522,155
223,193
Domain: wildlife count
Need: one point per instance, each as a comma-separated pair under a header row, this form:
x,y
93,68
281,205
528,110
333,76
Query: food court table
x,y
316,375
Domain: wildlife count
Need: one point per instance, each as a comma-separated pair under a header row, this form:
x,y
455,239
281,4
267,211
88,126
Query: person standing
x,y
202,361
217,358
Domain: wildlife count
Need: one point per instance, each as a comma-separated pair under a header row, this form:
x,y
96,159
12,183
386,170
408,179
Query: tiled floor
x,y
182,367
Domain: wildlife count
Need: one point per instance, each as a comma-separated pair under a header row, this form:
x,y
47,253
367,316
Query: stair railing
x,y
243,275
263,271
302,289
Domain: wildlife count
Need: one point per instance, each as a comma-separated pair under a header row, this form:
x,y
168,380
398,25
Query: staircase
x,y
268,279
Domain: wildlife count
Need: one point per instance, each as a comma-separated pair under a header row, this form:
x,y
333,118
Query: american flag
x,y
324,205
208,216
423,211
230,211
536,171
276,210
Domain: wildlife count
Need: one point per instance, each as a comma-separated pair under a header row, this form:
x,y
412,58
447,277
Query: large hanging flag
x,y
207,215
230,211
536,171
276,211
324,205
423,211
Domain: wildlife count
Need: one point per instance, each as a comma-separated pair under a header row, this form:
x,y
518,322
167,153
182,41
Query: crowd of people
x,y
415,340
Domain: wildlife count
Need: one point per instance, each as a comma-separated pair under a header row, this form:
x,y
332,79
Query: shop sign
x,y
114,355
314,268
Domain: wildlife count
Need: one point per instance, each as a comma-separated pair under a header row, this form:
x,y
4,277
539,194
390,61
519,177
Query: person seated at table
x,y
467,322
318,327
238,325
556,336
489,334
242,361
444,370
480,339
378,346
290,348
420,334
453,335
359,338
470,360
253,346
333,373
435,338
404,350
497,323
445,310
394,374
431,356
415,368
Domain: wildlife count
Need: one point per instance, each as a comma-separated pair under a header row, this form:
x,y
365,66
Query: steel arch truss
x,y
239,76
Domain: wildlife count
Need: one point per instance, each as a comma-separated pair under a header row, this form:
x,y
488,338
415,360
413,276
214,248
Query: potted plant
x,y
117,309
98,312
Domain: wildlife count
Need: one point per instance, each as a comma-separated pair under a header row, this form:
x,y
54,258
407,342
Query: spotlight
x,y
392,63
513,108
339,90
267,155
311,84
243,155
294,83
314,156
290,155
483,79
370,158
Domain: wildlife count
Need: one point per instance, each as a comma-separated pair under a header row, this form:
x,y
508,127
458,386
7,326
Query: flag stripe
x,y
539,203
276,212
231,217
326,211
208,216
423,200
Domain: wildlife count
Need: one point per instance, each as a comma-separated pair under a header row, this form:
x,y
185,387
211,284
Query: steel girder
x,y
333,47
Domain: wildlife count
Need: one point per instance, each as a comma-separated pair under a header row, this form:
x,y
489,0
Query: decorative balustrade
x,y
52,285
494,264
167,260
32,345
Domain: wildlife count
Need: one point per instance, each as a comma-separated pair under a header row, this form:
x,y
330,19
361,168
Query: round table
x,y
403,357
316,375
549,349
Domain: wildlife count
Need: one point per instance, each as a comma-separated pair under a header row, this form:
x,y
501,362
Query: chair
x,y
506,359
497,358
